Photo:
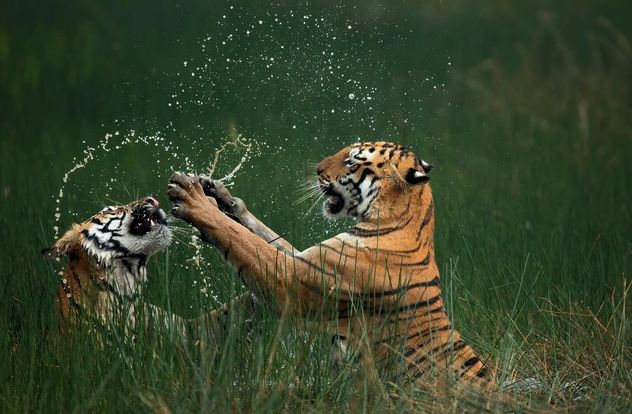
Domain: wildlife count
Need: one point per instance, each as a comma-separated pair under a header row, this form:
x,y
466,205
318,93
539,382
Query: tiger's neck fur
x,y
108,285
400,213
425,334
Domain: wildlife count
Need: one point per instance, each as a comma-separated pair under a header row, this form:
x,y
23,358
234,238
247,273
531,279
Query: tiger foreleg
x,y
266,270
236,209
212,329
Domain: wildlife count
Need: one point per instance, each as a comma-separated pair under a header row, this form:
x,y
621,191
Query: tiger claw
x,y
207,185
181,180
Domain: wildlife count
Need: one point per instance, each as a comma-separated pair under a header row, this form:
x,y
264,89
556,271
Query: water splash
x,y
314,75
248,145
90,154
166,150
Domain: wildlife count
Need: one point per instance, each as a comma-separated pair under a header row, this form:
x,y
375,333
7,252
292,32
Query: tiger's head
x,y
138,229
370,180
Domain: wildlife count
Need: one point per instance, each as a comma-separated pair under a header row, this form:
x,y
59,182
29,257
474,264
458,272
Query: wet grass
x,y
529,129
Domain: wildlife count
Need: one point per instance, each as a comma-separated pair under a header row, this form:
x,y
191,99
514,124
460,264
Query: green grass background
x,y
524,108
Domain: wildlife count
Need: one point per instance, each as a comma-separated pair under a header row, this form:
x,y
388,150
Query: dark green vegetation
x,y
525,110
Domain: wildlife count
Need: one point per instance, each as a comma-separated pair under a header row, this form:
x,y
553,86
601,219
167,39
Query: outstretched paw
x,y
215,189
187,196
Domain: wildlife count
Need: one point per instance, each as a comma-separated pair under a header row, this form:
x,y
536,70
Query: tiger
x,y
107,268
377,283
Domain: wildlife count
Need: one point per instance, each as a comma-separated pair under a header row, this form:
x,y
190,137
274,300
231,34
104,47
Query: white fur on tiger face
x,y
355,190
136,230
107,260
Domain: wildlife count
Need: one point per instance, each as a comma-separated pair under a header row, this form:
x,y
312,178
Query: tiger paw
x,y
215,189
187,195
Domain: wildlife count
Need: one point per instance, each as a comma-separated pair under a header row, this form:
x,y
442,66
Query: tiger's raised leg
x,y
217,324
236,209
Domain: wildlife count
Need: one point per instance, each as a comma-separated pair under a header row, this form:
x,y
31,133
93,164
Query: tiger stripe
x,y
379,278
107,261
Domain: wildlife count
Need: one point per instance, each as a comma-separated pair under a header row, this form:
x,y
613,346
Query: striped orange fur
x,y
378,281
107,256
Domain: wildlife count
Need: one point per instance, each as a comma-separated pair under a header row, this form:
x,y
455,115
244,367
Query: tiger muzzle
x,y
146,217
335,203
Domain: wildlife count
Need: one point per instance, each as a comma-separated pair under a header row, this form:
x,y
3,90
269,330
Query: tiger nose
x,y
323,165
152,201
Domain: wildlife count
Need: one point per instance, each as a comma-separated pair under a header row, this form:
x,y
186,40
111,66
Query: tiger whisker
x,y
180,230
314,203
309,187
311,194
173,221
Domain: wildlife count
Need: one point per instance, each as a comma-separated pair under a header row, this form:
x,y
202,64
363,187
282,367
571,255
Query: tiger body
x,y
378,282
106,269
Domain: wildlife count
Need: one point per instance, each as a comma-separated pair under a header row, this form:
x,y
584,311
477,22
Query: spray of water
x,y
92,153
313,72
248,147
239,143
167,151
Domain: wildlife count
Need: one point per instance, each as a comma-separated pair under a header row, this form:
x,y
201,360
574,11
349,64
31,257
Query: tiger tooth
x,y
151,222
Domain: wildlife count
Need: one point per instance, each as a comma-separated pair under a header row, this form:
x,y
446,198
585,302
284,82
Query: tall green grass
x,y
529,129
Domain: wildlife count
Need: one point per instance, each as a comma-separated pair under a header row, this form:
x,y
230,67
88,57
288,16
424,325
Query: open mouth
x,y
155,216
148,217
335,202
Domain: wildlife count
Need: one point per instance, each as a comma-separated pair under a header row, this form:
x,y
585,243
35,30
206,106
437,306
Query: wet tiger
x,y
106,269
377,283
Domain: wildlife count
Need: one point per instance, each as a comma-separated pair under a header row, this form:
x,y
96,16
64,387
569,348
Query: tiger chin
x,y
376,284
106,270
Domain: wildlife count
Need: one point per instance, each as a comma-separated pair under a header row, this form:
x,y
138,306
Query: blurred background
x,y
524,108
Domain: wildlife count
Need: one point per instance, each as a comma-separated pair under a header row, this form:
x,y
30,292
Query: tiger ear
x,y
49,253
416,177
53,252
62,246
427,167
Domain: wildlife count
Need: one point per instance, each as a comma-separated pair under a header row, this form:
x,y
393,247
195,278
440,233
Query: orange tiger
x,y
107,262
378,282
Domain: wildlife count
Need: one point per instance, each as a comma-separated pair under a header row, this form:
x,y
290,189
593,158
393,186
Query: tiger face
x,y
358,177
138,229
107,260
